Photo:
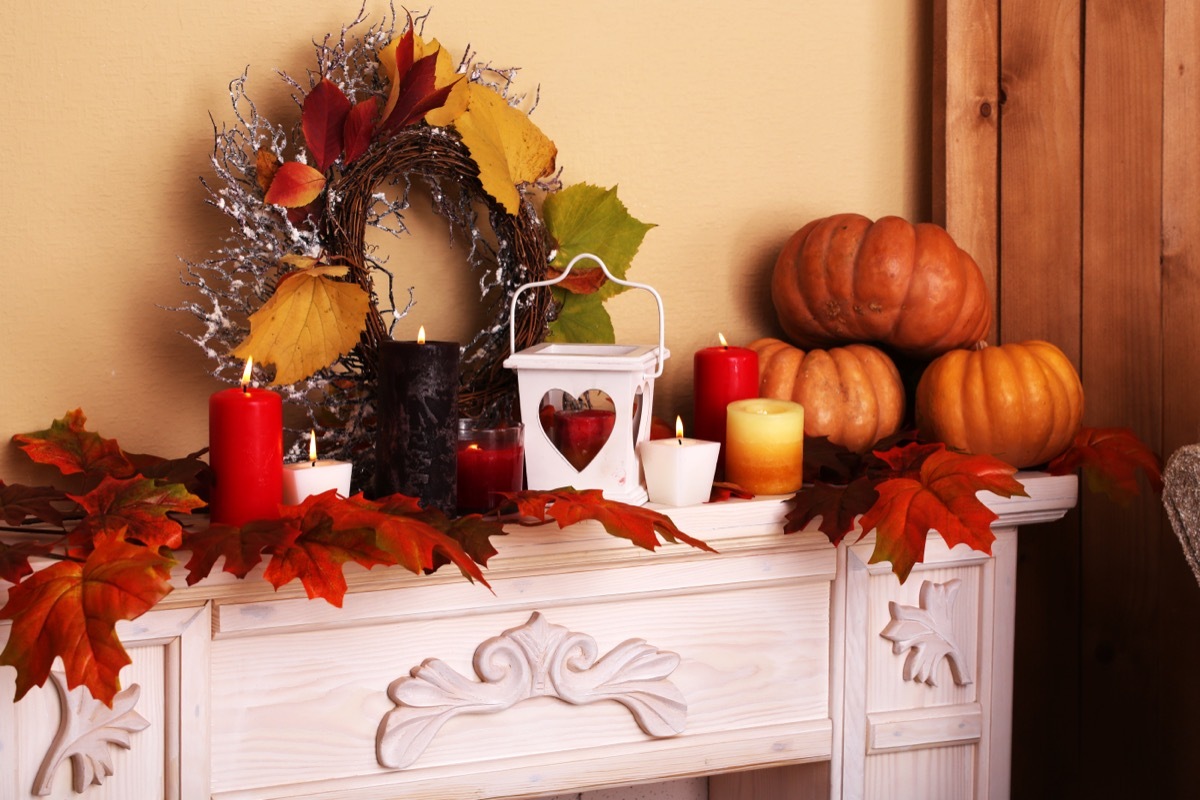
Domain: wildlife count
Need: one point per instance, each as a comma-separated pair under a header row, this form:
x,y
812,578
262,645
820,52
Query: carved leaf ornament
x,y
86,731
536,659
927,633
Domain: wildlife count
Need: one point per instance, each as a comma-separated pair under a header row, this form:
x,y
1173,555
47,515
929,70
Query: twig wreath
x,y
296,286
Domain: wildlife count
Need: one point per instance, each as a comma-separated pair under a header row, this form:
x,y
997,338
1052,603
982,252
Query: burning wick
x,y
312,448
246,376
724,343
679,431
421,335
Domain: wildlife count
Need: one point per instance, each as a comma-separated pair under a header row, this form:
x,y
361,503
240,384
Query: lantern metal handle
x,y
662,323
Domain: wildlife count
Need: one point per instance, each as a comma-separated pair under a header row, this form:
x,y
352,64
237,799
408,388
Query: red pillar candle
x,y
490,460
417,413
245,451
720,376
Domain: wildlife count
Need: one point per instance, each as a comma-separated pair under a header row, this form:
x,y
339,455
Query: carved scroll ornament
x,y
536,659
86,730
927,632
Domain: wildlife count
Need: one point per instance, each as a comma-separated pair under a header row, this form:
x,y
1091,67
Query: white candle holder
x,y
556,372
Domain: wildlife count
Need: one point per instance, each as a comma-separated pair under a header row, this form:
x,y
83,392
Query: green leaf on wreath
x,y
582,318
588,219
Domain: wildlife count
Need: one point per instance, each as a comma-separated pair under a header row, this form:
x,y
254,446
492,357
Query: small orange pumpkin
x,y
1020,402
910,287
851,394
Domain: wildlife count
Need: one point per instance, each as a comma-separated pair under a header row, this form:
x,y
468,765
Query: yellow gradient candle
x,y
764,445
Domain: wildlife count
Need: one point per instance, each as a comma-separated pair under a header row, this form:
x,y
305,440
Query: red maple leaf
x,y
723,490
941,496
18,502
323,120
14,559
70,610
136,506
473,532
640,525
241,547
67,445
837,506
194,474
1110,459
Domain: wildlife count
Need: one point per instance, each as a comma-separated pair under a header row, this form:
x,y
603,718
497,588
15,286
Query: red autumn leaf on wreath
x,y
1110,459
295,185
133,508
18,502
413,92
70,610
67,445
323,119
568,506
939,496
359,129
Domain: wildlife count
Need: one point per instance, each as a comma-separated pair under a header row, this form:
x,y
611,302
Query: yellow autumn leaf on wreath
x,y
308,323
505,144
445,75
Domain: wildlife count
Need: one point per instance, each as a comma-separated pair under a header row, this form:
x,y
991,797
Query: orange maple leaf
x,y
133,508
70,610
67,445
939,496
567,506
1110,459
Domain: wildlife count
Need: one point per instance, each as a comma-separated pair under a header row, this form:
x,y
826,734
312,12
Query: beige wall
x,y
728,128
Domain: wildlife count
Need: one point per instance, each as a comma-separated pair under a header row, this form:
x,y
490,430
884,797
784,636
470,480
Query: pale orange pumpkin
x,y
1020,402
851,394
909,287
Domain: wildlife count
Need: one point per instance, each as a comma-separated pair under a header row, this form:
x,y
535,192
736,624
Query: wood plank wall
x,y
1093,162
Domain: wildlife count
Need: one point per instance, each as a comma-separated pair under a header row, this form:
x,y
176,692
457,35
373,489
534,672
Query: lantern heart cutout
x,y
578,427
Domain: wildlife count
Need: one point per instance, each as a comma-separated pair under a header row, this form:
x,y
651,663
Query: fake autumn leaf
x,y
581,318
445,75
567,506
413,78
722,491
505,144
1110,459
266,164
17,503
295,185
838,506
940,496
359,129
70,610
310,321
14,559
323,120
240,547
67,445
133,508
583,218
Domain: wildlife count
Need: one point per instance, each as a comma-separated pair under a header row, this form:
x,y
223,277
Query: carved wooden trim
x,y
536,659
86,728
927,632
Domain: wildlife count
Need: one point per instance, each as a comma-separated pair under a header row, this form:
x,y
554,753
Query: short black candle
x,y
417,405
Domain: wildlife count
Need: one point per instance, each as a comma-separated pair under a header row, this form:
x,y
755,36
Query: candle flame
x,y
721,336
421,335
679,428
246,374
312,447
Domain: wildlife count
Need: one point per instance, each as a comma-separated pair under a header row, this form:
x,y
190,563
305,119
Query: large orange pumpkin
x,y
1022,403
847,279
851,394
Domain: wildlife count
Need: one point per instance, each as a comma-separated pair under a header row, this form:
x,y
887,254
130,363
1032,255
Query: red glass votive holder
x,y
579,434
491,459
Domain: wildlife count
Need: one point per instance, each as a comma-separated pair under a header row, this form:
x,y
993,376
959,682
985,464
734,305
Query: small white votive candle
x,y
314,477
679,471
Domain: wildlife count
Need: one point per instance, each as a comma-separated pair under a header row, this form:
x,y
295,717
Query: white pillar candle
x,y
764,445
314,477
679,471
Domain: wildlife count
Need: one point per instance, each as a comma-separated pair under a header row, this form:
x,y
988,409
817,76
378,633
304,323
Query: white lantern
x,y
587,407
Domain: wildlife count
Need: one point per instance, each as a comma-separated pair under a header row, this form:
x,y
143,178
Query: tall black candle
x,y
417,414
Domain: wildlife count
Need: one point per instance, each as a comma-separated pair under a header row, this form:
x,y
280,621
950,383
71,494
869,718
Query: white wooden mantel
x,y
593,664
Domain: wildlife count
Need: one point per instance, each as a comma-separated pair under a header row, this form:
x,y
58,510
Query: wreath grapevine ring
x,y
297,287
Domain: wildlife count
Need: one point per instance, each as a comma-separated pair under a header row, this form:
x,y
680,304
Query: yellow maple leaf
x,y
505,144
308,323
